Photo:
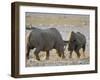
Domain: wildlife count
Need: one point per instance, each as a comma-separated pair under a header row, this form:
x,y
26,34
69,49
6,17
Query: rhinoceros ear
x,y
72,32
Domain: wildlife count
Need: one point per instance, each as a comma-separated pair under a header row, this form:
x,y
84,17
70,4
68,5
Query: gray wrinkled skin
x,y
45,40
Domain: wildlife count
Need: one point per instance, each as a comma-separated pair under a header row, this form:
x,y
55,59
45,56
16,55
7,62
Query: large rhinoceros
x,y
45,40
76,42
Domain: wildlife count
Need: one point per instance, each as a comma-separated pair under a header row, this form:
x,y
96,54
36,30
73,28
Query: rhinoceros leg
x,y
47,55
60,53
77,52
83,50
37,53
27,53
63,56
70,54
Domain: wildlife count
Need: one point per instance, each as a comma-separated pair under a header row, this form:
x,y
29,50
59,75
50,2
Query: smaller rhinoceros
x,y
76,42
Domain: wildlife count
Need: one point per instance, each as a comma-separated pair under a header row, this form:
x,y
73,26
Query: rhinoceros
x,y
76,42
45,40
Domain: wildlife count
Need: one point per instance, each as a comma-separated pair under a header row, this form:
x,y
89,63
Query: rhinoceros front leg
x,y
70,54
47,55
84,50
77,52
37,53
27,53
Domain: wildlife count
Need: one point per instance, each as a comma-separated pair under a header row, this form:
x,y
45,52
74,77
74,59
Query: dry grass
x,y
55,60
47,19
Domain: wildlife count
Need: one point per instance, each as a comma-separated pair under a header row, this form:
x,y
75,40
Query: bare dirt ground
x,y
55,60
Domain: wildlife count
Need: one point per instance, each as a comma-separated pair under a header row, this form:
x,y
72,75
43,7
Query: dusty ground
x,y
55,60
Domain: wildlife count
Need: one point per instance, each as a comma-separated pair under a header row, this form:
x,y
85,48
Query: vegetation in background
x,y
56,19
